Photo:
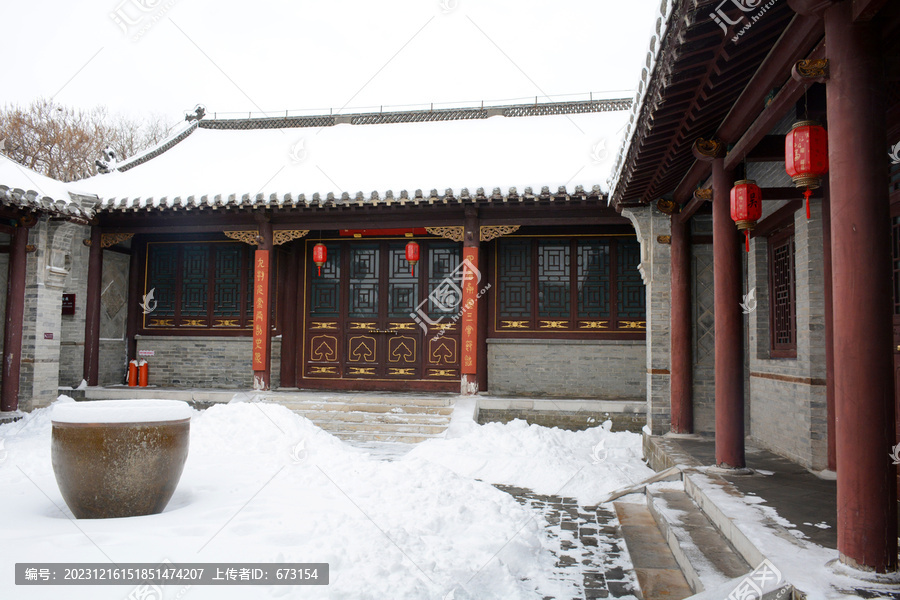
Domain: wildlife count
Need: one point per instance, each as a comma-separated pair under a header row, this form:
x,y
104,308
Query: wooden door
x,y
361,314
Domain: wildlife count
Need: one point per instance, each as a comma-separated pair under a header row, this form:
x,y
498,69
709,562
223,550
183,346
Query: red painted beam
x,y
792,46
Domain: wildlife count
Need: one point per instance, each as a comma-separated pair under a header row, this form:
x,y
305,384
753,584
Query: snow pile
x,y
121,411
586,465
262,484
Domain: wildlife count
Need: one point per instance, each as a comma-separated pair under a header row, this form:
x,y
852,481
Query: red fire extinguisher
x,y
133,373
143,373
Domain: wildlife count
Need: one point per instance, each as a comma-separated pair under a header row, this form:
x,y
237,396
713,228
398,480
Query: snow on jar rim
x,y
121,411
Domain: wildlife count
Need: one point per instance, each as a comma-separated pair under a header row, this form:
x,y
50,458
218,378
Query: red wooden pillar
x,y
829,327
471,345
92,309
729,324
861,279
289,302
681,381
262,332
15,313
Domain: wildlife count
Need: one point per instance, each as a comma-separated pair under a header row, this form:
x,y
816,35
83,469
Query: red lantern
x,y
746,206
806,156
320,256
412,256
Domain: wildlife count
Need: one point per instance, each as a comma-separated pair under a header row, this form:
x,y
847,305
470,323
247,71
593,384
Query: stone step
x,y
705,556
409,438
361,417
345,426
393,400
303,407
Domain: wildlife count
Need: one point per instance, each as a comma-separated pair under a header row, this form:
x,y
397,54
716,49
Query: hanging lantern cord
x,y
806,194
320,271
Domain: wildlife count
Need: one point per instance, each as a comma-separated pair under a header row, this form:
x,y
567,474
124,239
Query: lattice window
x,y
403,286
782,308
536,278
199,285
593,279
514,294
364,276
325,299
444,284
896,246
631,292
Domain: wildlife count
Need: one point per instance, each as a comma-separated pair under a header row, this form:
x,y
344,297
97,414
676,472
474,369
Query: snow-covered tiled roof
x,y
23,188
528,154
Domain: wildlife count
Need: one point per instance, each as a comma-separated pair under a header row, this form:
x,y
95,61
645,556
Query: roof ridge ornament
x,y
199,113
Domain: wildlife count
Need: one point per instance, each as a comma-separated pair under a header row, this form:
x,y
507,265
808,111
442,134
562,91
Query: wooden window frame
x,y
246,320
614,329
774,241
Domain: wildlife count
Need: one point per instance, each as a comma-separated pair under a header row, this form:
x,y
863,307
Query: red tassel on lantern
x,y
746,207
412,256
806,156
320,256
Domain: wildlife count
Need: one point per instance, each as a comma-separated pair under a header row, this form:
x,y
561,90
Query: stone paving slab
x,y
592,561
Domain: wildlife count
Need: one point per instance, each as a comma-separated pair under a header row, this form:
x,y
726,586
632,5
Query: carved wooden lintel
x,y
705,194
248,236
707,150
111,239
491,232
453,232
810,71
283,236
666,206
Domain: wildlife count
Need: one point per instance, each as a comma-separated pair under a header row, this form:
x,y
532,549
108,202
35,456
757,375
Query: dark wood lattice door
x,y
896,265
360,324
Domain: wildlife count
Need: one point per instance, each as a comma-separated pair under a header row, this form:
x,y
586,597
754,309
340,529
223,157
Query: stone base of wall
x,y
789,419
606,369
205,362
572,421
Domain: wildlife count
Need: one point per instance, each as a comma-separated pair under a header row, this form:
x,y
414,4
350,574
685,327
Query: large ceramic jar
x,y
119,458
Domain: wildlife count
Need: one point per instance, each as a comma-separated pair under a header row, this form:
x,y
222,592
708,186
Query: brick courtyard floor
x,y
592,561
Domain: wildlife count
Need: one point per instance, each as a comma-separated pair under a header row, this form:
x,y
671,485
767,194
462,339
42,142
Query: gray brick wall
x,y
789,416
204,362
607,369
655,268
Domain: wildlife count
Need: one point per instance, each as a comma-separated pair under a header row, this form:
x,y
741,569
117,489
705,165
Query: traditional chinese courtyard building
x,y
533,280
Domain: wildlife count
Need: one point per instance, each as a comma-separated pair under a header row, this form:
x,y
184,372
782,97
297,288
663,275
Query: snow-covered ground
x,y
262,484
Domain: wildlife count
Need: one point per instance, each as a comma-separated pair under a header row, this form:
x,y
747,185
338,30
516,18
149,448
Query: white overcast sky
x,y
276,55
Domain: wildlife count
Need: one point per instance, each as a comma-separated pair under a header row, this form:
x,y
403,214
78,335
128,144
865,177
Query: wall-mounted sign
x,y
68,304
48,336
260,309
146,352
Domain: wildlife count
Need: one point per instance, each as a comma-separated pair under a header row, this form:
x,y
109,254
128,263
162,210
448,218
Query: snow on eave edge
x,y
648,73
275,200
178,134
